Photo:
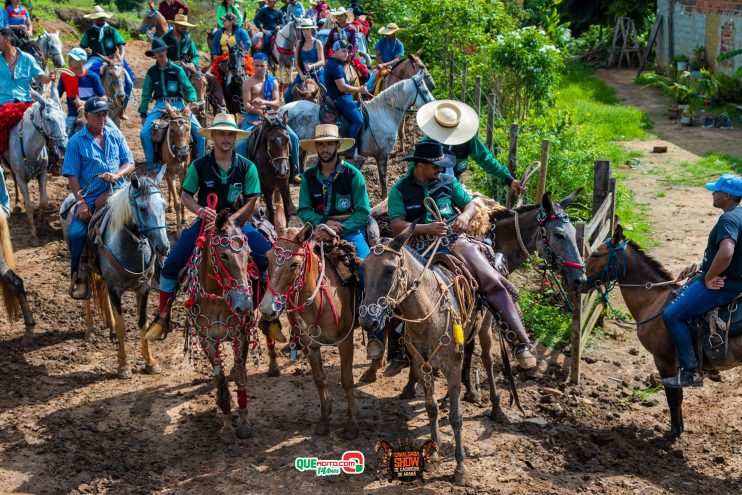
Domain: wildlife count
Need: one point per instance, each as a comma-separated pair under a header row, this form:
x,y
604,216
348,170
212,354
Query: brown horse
x,y
620,261
221,309
269,148
321,309
113,76
154,23
435,307
201,85
175,153
11,285
307,90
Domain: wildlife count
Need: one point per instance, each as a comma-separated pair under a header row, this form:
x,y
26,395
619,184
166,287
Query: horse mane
x,y
650,261
390,96
121,211
507,212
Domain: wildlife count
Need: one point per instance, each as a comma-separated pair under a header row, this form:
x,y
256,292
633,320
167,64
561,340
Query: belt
x,y
339,217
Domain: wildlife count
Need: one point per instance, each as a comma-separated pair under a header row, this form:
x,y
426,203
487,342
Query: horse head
x,y
230,255
149,23
51,48
200,84
236,62
50,120
148,209
276,142
385,277
422,93
179,133
417,64
114,78
607,263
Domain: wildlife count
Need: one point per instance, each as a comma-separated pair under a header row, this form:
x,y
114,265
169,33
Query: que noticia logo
x,y
352,462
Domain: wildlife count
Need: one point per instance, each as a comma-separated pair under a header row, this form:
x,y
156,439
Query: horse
x,y
50,47
220,308
439,311
303,283
154,24
131,234
43,129
113,76
308,89
233,74
200,83
11,285
385,113
282,52
175,153
647,287
268,147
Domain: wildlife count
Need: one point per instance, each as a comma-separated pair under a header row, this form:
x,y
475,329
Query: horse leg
x,y
223,398
408,392
453,377
369,376
471,394
381,166
318,373
485,339
14,283
431,406
288,206
124,370
176,205
17,207
151,366
29,212
240,348
170,190
89,323
268,197
675,403
346,379
273,369
400,130
43,199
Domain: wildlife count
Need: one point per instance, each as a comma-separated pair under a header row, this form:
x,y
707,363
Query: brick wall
x,y
711,6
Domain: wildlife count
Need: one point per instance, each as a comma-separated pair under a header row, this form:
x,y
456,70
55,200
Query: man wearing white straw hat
x,y
234,179
456,125
389,50
181,49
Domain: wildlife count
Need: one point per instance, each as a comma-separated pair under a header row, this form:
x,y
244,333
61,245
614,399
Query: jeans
x,y
181,252
350,111
357,238
76,236
70,121
251,120
95,63
694,300
199,142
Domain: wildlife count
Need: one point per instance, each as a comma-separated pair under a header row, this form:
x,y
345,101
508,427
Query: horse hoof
x,y
498,416
244,432
228,438
408,392
368,376
34,242
125,374
27,340
322,428
350,432
472,397
274,370
152,369
459,476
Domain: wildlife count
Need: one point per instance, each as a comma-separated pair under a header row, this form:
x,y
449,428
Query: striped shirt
x,y
85,159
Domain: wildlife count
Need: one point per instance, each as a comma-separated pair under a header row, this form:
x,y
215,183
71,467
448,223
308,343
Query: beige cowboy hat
x,y
181,20
307,23
390,28
224,122
342,11
98,13
448,121
326,132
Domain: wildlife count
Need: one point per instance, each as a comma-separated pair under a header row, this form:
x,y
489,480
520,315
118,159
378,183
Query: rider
x,y
228,7
83,84
17,70
344,30
406,205
233,179
229,35
456,125
15,16
308,55
166,82
313,11
95,152
268,20
389,50
180,47
259,94
292,9
339,91
718,283
171,8
103,39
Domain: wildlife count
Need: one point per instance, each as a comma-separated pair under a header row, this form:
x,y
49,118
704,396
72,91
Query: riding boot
x,y
80,288
160,326
396,356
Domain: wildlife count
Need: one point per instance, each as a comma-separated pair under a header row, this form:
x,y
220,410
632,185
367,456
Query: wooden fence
x,y
589,236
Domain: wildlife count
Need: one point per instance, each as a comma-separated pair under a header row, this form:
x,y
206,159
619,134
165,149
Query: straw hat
x,y
390,28
224,122
98,13
448,121
342,11
326,132
307,23
181,20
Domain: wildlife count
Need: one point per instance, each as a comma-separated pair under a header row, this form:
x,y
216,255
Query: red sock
x,y
242,399
165,298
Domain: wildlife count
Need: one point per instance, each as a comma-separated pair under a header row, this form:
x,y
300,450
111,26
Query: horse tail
x,y
223,399
12,306
100,297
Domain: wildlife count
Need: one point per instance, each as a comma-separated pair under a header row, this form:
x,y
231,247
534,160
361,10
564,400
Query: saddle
x,y
712,332
330,114
96,228
380,76
455,266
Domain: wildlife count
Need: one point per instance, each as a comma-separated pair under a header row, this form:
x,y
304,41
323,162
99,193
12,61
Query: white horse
x,y
50,47
285,42
385,113
42,128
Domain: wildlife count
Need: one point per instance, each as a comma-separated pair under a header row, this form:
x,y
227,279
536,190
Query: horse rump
x,y
12,305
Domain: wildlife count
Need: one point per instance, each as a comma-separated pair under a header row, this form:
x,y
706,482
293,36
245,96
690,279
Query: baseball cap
x,y
78,54
728,183
96,104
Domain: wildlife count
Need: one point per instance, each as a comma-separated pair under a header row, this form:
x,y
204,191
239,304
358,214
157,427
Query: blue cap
x,y
340,44
78,54
728,183
260,56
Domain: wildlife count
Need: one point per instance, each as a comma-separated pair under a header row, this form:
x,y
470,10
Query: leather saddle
x,y
455,266
713,331
330,114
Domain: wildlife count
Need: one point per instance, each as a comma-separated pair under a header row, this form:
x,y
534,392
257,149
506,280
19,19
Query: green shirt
x,y
186,46
221,12
189,92
361,205
396,203
481,155
251,184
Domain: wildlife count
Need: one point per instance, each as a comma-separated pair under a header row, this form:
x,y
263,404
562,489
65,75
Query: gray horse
x,y
385,113
50,47
135,234
43,126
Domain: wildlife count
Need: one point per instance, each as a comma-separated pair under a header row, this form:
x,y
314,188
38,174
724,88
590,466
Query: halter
x,y
544,248
113,82
134,193
174,149
46,46
56,139
272,124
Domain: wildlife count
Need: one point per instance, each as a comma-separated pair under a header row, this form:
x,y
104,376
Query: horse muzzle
x,y
271,307
240,301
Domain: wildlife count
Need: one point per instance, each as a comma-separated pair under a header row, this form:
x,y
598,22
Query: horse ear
x,y
372,231
169,109
221,219
158,178
546,202
618,236
242,215
305,233
105,59
419,52
404,236
285,116
37,97
134,179
571,198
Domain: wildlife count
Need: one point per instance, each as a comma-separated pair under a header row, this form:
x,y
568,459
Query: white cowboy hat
x,y
98,13
224,122
342,11
181,20
326,132
390,28
307,23
448,121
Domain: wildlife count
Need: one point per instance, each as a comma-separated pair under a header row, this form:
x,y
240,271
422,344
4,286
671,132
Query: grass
x,y
705,169
551,325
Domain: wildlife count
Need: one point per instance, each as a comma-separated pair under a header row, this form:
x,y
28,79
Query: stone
x,y
540,422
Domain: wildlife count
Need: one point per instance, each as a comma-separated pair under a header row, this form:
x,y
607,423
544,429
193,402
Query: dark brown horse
x,y
622,261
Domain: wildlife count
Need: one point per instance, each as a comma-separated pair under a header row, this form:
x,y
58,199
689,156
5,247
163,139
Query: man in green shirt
x,y
166,82
406,205
181,49
233,178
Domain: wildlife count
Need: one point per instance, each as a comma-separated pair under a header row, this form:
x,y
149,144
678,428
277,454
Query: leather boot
x,y
80,289
396,356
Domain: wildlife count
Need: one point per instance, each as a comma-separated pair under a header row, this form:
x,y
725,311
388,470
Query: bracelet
x,y
200,210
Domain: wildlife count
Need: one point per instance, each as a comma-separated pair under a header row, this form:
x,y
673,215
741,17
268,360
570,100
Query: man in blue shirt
x,y
389,50
340,92
83,84
96,152
268,20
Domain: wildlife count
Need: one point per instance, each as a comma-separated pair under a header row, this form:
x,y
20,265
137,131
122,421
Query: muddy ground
x,y
69,425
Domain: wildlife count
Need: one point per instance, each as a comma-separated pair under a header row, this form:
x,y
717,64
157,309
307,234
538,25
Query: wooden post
x,y
452,69
612,212
478,94
577,317
601,181
490,120
541,187
513,159
463,84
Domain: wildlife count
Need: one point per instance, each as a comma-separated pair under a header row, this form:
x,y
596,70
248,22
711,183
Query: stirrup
x,y
158,329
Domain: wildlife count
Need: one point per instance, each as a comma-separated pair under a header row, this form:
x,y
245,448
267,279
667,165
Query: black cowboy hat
x,y
431,152
157,46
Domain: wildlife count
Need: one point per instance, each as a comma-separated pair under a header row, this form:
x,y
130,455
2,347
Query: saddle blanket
x,y
10,115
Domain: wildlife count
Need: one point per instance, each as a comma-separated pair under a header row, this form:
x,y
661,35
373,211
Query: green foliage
x,y
544,14
584,13
726,56
730,88
550,323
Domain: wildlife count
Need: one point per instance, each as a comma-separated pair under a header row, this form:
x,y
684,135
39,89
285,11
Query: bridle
x,y
48,47
274,123
553,260
58,140
135,193
180,121
115,83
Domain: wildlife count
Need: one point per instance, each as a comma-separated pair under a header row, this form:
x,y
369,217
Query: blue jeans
x,y
181,252
694,300
350,111
251,120
199,142
76,236
95,63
